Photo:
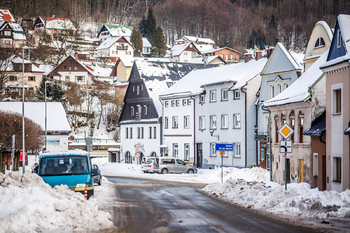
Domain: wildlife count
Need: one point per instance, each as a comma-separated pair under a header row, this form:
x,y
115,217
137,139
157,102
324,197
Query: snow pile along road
x,y
27,204
298,200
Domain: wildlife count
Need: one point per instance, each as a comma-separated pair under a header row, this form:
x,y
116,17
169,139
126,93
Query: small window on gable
x,y
166,104
184,102
236,94
319,42
145,107
202,99
132,111
339,39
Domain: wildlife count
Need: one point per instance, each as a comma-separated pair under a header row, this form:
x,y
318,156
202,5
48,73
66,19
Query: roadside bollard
x,y
85,193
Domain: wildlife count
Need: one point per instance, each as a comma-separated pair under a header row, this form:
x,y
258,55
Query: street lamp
x,y
212,132
46,115
23,131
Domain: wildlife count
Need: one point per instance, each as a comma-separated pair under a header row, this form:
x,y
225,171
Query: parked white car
x,y
166,165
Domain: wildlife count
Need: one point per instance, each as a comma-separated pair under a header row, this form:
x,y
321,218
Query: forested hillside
x,y
228,22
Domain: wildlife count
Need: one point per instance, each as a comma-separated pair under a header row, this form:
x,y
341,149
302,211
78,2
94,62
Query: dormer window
x,y
319,43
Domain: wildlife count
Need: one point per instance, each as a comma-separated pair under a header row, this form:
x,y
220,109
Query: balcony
x,y
119,47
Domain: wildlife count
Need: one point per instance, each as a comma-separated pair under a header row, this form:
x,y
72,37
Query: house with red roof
x,y
5,15
55,27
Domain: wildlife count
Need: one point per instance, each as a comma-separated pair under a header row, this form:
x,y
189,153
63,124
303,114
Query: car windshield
x,y
63,165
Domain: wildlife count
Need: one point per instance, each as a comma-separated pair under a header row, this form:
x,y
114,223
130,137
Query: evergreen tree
x,y
256,38
151,25
136,40
142,26
159,43
54,91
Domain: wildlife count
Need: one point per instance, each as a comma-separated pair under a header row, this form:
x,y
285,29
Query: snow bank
x,y
298,200
27,204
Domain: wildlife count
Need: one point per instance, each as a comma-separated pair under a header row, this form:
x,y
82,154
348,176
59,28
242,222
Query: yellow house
x,y
320,41
122,69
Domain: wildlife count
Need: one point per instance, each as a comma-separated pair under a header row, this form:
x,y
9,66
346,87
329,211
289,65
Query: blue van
x,y
72,168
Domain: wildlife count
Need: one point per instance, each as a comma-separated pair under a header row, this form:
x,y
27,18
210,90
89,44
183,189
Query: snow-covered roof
x,y
58,23
8,64
203,47
199,60
118,30
98,71
35,111
282,60
110,41
343,22
127,61
158,76
5,15
179,48
193,82
18,33
146,43
299,90
16,84
195,39
326,28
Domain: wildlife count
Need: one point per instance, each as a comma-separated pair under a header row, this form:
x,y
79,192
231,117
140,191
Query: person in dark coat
x,y
35,170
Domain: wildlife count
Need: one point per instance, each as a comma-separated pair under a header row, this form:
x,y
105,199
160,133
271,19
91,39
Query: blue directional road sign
x,y
223,147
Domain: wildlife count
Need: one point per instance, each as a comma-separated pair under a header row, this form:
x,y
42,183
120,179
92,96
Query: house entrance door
x,y
262,154
199,155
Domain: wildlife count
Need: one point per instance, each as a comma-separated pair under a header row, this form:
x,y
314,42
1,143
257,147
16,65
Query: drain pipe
x,y
245,123
269,146
194,130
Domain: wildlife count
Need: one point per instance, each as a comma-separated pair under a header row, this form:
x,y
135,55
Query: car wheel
x,y
190,171
165,171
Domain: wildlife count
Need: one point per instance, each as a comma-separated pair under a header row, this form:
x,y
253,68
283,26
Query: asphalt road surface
x,y
154,206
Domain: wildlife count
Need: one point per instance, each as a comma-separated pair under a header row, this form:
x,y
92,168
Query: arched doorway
x,y
128,158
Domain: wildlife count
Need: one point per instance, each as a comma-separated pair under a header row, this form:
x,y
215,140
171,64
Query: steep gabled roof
x,y
18,33
116,30
55,73
280,61
196,39
5,15
218,49
111,41
298,91
57,23
341,53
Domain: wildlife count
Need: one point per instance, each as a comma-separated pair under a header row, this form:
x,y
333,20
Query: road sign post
x,y
286,146
222,147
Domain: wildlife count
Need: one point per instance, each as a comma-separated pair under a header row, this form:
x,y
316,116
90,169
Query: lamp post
x,y
46,115
23,131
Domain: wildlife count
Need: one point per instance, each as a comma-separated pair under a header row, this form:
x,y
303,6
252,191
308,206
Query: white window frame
x,y
130,132
145,107
166,103
173,103
132,111
175,122
212,149
237,149
224,94
175,150
236,94
224,121
177,103
154,132
186,122
166,122
201,122
237,121
186,151
339,39
188,102
150,132
126,133
212,96
202,98
213,122
184,102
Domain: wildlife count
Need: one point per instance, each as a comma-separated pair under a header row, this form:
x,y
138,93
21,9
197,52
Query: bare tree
x,y
75,97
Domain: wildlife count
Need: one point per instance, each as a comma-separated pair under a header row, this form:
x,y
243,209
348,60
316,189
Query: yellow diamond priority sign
x,y
286,131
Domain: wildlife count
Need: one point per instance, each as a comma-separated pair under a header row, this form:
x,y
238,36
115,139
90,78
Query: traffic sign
x,y
223,147
286,146
222,152
286,131
137,155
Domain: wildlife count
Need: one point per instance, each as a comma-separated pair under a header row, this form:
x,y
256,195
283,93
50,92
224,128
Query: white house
x,y
115,47
114,30
58,127
211,106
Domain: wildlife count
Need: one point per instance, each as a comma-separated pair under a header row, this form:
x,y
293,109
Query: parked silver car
x,y
166,165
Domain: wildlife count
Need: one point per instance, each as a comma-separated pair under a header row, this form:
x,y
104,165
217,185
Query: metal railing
x,y
97,141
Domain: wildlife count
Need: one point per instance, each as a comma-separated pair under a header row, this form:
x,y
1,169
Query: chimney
x,y
258,55
269,52
247,57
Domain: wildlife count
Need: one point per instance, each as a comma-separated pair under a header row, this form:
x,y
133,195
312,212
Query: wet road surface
x,y
155,206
